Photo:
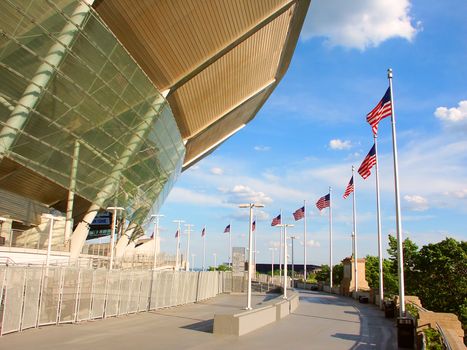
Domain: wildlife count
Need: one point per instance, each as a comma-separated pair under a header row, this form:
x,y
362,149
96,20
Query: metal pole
x,y
250,257
355,232
330,238
378,218
71,193
204,249
187,258
49,243
304,242
285,262
400,257
230,245
156,236
293,266
112,237
177,249
281,249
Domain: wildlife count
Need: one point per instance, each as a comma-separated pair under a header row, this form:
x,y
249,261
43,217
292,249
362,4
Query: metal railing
x,y
35,296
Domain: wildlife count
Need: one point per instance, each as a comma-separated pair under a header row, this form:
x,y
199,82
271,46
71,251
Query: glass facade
x,y
86,88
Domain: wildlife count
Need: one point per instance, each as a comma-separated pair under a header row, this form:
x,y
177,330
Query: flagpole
x,y
355,232
400,254
254,235
304,242
230,245
204,249
281,257
378,219
330,238
177,254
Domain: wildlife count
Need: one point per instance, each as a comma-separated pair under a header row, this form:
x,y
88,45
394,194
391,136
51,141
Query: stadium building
x,y
104,103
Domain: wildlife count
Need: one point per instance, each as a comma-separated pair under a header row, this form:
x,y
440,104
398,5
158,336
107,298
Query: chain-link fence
x,y
32,296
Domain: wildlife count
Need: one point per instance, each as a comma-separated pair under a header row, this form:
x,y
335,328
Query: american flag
x,y
253,226
203,233
349,188
323,202
367,164
382,110
276,221
227,229
177,234
299,213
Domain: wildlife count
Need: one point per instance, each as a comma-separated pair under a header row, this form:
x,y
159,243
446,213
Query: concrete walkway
x,y
322,321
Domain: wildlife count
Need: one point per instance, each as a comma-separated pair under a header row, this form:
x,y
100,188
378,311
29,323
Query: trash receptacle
x,y
389,308
405,332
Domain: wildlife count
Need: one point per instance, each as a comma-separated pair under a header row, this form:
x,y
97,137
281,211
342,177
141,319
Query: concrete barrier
x,y
240,323
244,322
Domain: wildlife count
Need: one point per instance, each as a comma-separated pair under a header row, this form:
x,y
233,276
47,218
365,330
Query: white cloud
x,y
244,194
217,171
187,196
340,145
359,24
275,244
262,148
312,243
453,115
416,202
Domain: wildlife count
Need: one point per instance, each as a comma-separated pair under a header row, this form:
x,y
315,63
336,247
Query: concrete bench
x,y
240,323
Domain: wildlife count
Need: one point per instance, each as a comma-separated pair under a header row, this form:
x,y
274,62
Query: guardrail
x,y
36,296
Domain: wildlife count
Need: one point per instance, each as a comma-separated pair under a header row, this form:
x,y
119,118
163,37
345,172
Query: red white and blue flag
x,y
203,233
382,110
349,189
177,234
299,213
227,229
323,202
367,164
276,221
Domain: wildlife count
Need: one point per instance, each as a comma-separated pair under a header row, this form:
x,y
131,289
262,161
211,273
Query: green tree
x,y
410,254
389,277
442,276
337,274
323,274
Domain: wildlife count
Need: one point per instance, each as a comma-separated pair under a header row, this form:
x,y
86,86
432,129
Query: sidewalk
x,y
322,321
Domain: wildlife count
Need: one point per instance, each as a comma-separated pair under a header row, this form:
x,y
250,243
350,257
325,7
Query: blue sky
x,y
312,129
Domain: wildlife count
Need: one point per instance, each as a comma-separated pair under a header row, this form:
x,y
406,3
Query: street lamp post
x,y
293,266
155,236
51,228
112,237
285,257
187,259
250,247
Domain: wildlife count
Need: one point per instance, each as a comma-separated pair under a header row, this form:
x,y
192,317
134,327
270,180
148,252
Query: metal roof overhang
x,y
216,61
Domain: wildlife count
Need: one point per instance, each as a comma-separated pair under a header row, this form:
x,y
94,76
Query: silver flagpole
x,y
400,255
230,245
330,238
378,219
304,241
204,249
355,233
281,257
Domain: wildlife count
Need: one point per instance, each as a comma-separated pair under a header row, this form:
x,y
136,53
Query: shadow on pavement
x,y
203,326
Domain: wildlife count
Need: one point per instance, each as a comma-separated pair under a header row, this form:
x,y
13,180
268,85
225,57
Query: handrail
x,y
443,337
8,260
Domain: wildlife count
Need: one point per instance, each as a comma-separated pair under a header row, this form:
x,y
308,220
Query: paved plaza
x,y
322,321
